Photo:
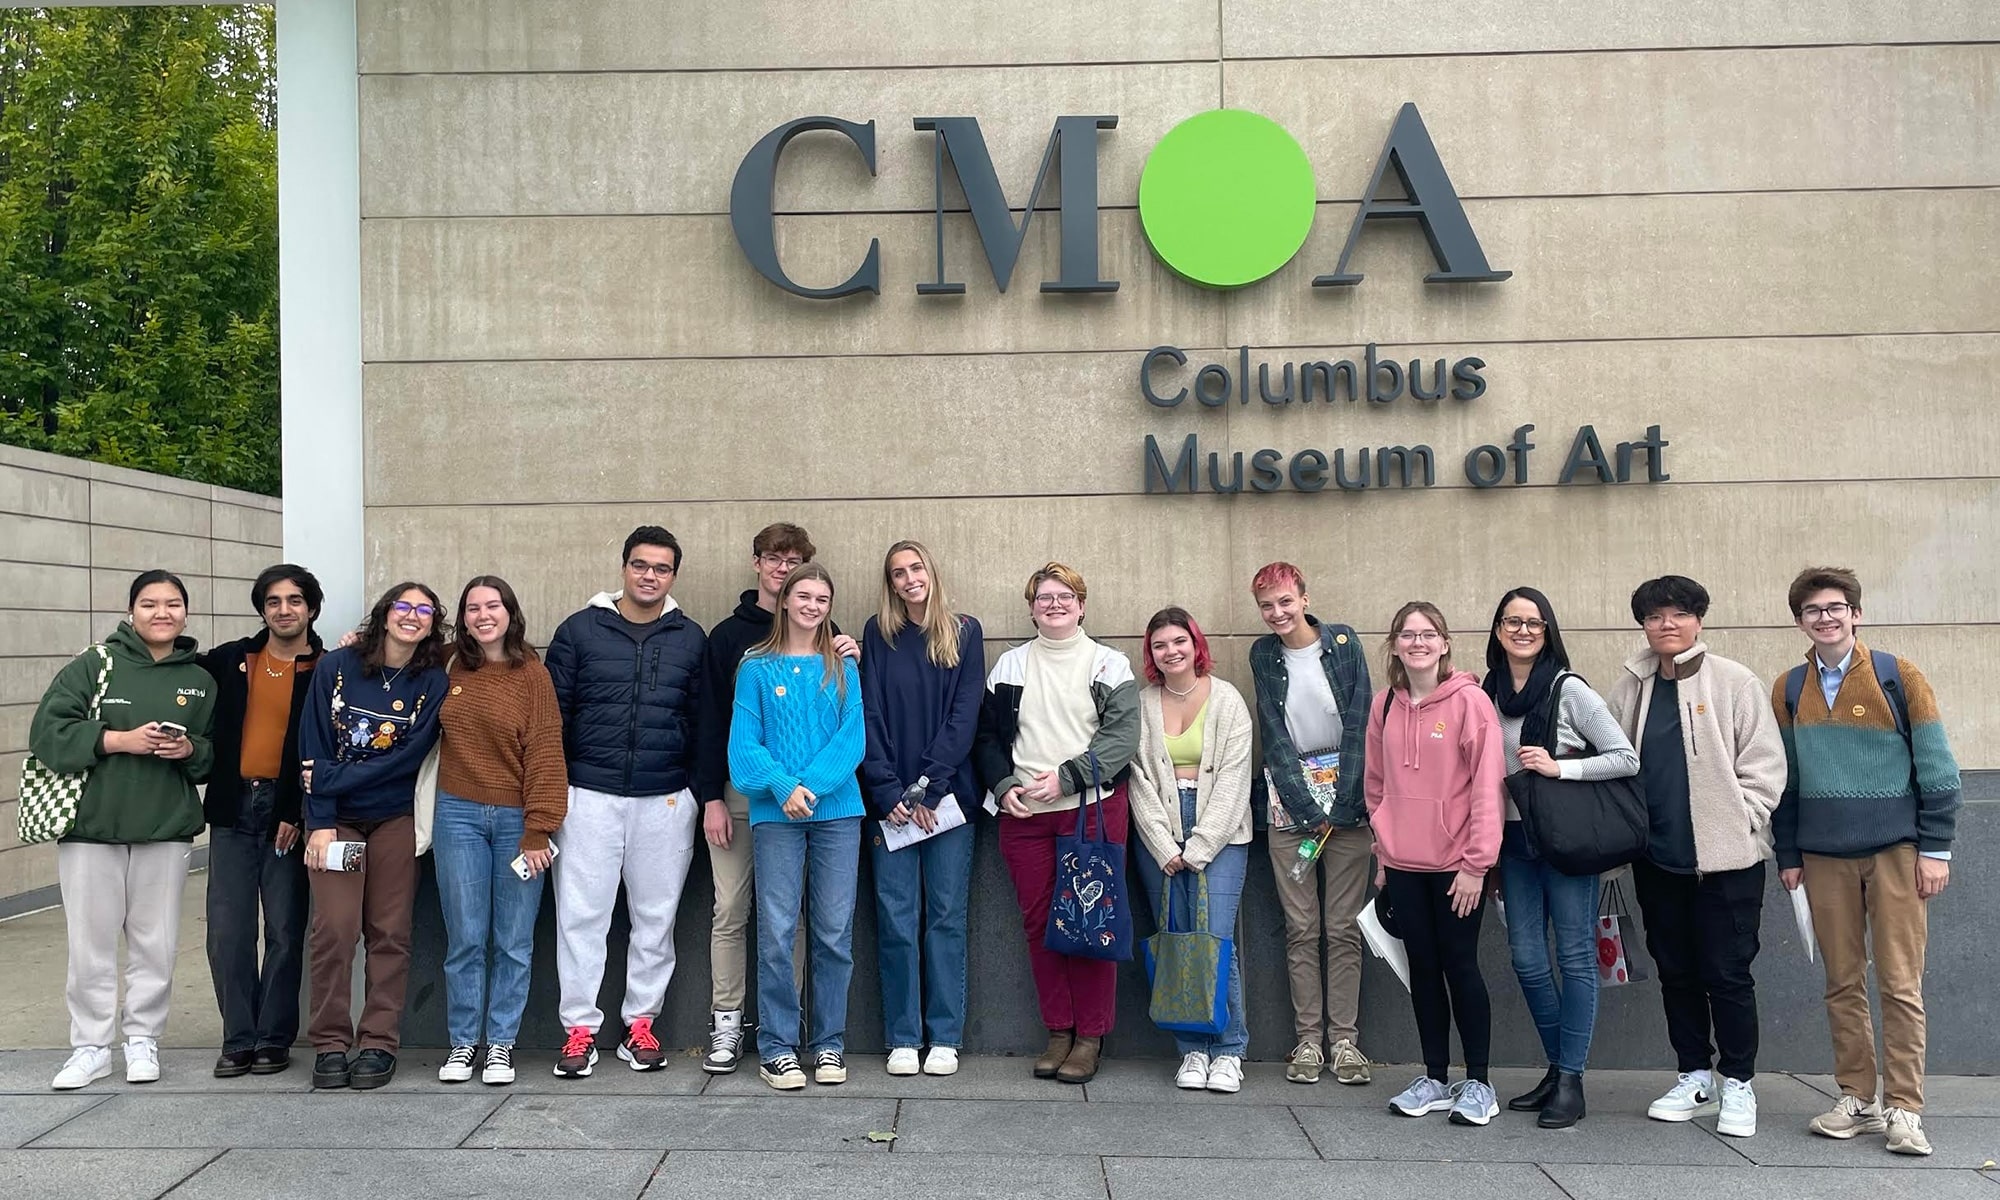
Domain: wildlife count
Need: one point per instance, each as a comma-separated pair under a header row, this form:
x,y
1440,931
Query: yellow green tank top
x,y
1184,748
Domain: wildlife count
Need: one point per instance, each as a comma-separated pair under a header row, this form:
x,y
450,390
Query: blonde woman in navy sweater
x,y
923,667
795,742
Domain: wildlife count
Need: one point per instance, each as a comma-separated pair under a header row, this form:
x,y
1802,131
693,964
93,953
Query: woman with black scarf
x,y
1524,660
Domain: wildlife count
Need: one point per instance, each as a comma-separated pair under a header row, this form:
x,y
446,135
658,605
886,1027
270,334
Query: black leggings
x,y
1444,955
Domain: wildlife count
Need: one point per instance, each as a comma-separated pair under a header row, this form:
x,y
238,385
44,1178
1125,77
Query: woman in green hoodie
x,y
134,713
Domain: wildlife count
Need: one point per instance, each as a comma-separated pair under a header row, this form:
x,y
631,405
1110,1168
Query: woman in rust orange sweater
x,y
502,790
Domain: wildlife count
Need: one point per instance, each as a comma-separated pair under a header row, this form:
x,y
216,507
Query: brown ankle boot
x,y
1051,1061
1081,1065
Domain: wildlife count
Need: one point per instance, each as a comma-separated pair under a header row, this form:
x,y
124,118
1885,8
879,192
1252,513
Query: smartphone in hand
x,y
520,863
173,729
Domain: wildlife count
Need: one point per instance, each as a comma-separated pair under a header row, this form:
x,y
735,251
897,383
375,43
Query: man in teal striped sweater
x,y
1865,825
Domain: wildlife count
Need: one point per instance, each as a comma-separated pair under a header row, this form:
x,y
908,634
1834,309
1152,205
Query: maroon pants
x,y
373,906
1075,993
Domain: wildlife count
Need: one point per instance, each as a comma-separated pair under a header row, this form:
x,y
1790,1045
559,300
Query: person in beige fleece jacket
x,y
1712,765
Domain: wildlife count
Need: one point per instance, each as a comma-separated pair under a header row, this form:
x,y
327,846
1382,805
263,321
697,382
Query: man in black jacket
x,y
627,670
252,806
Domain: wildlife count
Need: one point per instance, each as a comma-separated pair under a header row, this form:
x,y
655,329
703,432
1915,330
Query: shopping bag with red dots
x,y
1614,964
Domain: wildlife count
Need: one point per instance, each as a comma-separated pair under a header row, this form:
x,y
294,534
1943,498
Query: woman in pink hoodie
x,y
1434,780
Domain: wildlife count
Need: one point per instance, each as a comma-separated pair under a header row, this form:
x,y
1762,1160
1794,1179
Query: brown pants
x,y
373,906
1855,901
1313,914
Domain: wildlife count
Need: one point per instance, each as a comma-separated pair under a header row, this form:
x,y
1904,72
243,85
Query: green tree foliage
x,y
139,238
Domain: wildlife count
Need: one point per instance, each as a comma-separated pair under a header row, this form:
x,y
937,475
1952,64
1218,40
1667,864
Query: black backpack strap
x,y
1795,686
1889,674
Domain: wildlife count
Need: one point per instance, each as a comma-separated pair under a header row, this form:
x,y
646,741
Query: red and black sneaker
x,y
640,1048
579,1053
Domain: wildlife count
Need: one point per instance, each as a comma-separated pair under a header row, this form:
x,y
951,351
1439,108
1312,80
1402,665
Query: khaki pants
x,y
1855,901
728,953
1314,913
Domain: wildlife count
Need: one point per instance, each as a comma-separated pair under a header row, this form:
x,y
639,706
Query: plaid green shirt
x,y
1347,671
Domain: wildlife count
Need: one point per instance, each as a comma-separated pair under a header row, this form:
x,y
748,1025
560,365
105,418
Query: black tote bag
x,y
1580,826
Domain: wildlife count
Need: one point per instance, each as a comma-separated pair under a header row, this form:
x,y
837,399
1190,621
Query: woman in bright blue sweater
x,y
795,741
922,684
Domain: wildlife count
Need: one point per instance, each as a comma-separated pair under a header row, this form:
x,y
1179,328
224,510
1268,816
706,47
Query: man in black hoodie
x,y
775,553
252,807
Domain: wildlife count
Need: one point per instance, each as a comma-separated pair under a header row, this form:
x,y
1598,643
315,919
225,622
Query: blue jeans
x,y
1225,893
924,890
487,910
1539,896
818,858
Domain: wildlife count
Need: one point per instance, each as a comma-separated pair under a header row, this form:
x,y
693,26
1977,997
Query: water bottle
x,y
914,794
1309,849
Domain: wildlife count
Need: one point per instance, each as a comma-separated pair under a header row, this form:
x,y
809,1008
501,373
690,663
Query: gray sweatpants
x,y
108,890
647,841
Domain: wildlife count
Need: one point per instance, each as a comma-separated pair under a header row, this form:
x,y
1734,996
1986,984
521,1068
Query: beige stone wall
x,y
72,536
1763,226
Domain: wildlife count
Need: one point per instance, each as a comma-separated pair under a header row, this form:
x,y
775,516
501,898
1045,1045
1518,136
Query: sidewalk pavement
x,y
988,1133
992,1131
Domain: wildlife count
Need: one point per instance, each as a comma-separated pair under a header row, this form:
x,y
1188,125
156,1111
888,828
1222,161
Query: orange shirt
x,y
265,716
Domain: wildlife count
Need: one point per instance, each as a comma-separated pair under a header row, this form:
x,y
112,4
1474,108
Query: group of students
x,y
784,745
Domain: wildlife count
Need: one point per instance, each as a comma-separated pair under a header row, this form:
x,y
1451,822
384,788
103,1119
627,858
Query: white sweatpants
x,y
647,841
106,891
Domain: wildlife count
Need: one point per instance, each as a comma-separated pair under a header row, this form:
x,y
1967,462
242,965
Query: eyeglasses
x,y
1055,600
1813,612
787,561
404,607
1658,620
1426,636
641,567
1517,624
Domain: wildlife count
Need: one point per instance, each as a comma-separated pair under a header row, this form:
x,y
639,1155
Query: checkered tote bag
x,y
49,798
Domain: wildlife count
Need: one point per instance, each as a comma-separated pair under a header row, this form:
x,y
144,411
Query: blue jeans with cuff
x,y
809,862
489,919
1225,893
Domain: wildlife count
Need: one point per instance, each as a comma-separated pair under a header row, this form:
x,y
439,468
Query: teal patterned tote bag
x,y
49,798
1189,970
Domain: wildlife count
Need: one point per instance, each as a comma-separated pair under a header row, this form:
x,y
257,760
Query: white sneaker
x,y
1193,1075
725,1042
457,1066
86,1065
142,1060
499,1069
1225,1074
1739,1109
1906,1132
1692,1096
1850,1117
903,1061
942,1060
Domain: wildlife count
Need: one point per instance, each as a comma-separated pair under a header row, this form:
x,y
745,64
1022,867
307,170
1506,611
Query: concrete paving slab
x,y
345,1175
1958,1141
1151,1081
1944,1095
743,1176
1627,1093
98,1174
984,1078
181,1071
1147,1178
1033,1128
1512,1137
1585,1182
687,1123
324,1120
25,1118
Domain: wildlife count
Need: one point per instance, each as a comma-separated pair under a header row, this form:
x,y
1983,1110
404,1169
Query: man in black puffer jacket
x,y
627,671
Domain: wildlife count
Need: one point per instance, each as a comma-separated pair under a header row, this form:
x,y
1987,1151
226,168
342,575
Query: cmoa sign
x,y
1226,198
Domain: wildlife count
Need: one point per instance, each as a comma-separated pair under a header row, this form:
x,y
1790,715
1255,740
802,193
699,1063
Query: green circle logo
x,y
1226,198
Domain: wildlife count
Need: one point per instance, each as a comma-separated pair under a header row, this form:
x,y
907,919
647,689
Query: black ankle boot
x,y
1534,1099
1565,1108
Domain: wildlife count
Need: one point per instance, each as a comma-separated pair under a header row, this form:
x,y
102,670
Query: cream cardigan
x,y
1222,803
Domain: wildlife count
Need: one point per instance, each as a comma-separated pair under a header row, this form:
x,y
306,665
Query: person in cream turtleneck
x,y
1051,704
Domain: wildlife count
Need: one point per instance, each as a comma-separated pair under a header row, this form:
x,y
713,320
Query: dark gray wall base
x,y
1631,1031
